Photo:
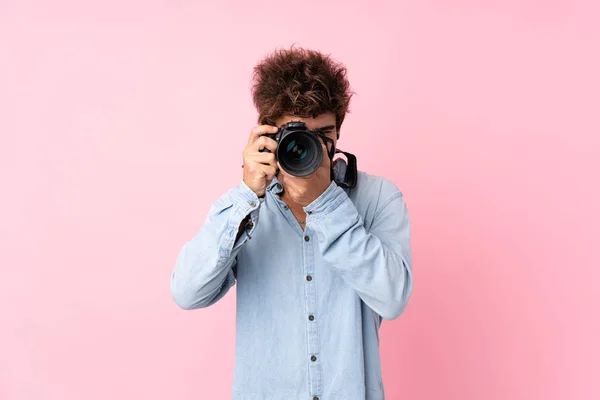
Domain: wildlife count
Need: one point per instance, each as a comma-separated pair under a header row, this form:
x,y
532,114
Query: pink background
x,y
122,121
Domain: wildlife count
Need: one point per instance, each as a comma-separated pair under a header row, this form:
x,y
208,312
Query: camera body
x,y
299,150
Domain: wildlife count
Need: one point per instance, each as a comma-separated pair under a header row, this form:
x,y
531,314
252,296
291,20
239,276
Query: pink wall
x,y
122,121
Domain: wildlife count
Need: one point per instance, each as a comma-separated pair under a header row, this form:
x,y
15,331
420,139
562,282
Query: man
x,y
317,265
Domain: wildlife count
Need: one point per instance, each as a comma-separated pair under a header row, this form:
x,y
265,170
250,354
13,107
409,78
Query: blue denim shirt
x,y
309,302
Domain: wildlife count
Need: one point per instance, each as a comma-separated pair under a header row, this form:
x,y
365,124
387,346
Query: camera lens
x,y
296,151
300,153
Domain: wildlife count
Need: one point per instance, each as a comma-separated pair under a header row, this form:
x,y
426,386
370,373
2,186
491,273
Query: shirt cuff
x,y
246,202
244,199
328,201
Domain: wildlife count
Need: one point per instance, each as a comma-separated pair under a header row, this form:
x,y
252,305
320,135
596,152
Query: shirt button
x,y
315,398
311,318
252,204
306,238
285,207
309,278
313,358
279,186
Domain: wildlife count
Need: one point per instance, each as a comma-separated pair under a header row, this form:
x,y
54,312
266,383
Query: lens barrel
x,y
299,150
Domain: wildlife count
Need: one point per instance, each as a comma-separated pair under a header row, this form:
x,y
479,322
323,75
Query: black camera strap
x,y
350,174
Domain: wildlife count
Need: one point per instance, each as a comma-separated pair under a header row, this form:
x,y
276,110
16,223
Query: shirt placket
x,y
314,362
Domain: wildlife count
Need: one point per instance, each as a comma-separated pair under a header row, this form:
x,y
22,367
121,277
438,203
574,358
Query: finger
x,y
264,158
260,130
270,172
264,142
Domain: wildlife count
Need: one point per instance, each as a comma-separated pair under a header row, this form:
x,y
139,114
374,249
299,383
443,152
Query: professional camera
x,y
299,150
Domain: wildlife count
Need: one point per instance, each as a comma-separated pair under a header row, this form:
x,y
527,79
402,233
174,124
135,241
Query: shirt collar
x,y
275,186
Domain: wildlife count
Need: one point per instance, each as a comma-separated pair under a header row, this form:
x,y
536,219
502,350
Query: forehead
x,y
311,123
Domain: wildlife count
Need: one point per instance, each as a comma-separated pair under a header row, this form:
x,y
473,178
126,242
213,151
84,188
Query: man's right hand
x,y
260,168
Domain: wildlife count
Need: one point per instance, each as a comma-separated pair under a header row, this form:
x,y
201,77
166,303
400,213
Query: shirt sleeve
x,y
376,263
204,272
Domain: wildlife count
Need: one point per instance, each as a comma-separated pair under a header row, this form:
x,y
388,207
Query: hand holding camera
x,y
260,167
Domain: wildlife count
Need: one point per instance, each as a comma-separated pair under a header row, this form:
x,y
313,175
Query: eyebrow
x,y
326,128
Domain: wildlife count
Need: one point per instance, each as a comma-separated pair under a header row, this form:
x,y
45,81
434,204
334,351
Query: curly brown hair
x,y
300,82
